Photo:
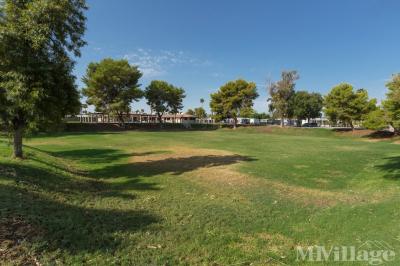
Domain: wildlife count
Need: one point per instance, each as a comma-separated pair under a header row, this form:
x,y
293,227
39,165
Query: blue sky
x,y
200,45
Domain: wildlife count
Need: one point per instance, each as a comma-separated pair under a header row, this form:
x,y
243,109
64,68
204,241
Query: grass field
x,y
224,197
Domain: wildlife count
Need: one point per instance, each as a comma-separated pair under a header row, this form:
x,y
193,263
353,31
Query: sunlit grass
x,y
211,197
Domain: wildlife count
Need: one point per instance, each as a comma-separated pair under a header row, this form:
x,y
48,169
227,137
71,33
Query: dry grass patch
x,y
15,233
217,170
268,245
173,152
350,148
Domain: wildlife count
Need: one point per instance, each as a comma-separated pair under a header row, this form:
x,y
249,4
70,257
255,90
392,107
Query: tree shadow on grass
x,y
174,166
94,156
59,205
67,227
380,134
48,180
43,193
391,168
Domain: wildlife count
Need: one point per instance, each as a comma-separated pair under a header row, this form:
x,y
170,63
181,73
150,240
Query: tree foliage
x,y
375,120
234,99
112,85
37,87
282,93
200,112
190,112
346,105
307,105
260,115
392,103
163,97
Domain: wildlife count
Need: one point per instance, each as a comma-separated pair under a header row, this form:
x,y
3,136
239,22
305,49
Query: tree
x,y
163,97
200,113
190,112
344,104
375,120
175,98
37,88
281,93
391,105
111,86
201,101
232,99
307,105
261,115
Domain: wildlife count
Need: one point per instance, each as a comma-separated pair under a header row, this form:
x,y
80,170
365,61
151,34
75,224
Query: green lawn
x,y
220,197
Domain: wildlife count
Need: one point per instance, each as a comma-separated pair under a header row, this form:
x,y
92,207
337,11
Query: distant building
x,y
132,118
179,118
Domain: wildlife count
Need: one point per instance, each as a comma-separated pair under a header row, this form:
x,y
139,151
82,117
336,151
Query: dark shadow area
x,y
43,179
380,134
41,196
65,227
366,133
342,129
175,166
391,167
93,156
40,192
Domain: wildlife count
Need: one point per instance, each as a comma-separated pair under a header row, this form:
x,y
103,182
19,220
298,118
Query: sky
x,y
201,45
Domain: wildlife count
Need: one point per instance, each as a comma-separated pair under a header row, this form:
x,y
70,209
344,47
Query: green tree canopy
x,y
37,88
344,104
282,93
261,115
190,112
111,86
391,105
307,105
200,112
233,100
163,97
375,120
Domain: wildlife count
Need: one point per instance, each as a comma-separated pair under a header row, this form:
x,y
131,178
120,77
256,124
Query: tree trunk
x,y
351,125
234,123
282,123
121,120
18,130
160,120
